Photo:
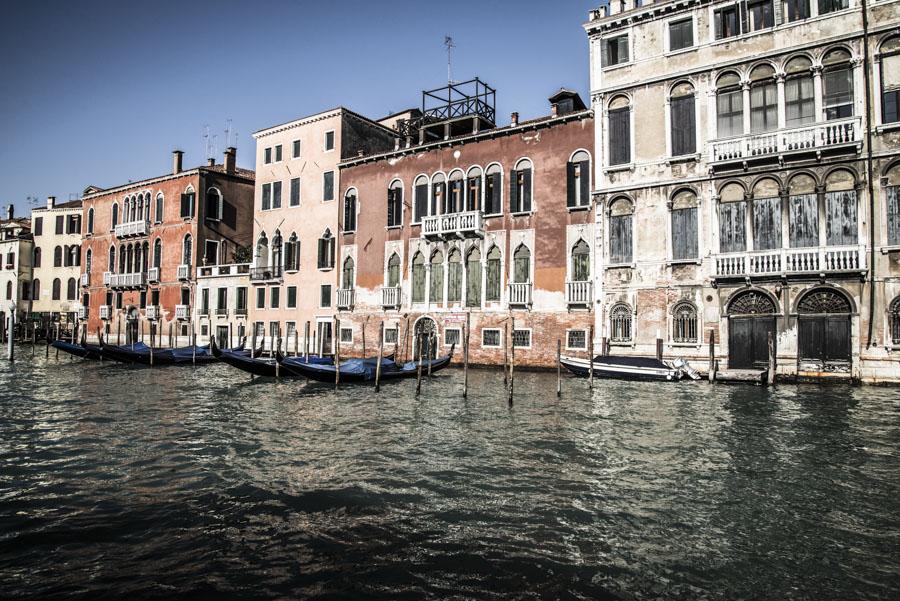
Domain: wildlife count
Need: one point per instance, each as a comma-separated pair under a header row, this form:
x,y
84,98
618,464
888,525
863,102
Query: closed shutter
x,y
804,220
683,126
584,181
320,255
840,218
421,204
525,200
473,283
767,223
513,191
571,192
684,234
732,227
619,137
493,197
893,215
474,192
390,207
620,239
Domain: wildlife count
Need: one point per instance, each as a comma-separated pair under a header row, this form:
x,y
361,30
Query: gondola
x,y
626,368
256,365
82,349
141,353
362,370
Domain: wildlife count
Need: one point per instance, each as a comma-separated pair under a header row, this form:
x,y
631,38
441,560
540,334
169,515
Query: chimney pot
x,y
211,161
10,212
554,110
51,202
177,156
514,119
230,159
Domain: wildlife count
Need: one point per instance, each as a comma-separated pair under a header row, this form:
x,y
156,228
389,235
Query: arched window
x,y
892,197
420,203
262,251
347,275
277,249
581,262
187,250
58,256
157,253
418,278
214,204
36,257
684,323
456,192
799,98
732,219
350,210
122,259
620,246
326,251
619,131
803,212
145,256
115,216
894,317
88,260
890,80
492,275
684,226
763,99
521,187
683,123
292,253
187,202
473,278
473,189
454,276
36,290
436,291
393,271
74,255
111,264
395,204
729,106
438,194
56,292
159,208
26,291
841,220
838,84
140,207
521,265
90,221
71,290
493,190
620,323
766,215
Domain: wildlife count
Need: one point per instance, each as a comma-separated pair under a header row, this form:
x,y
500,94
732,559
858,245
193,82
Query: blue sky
x,y
101,92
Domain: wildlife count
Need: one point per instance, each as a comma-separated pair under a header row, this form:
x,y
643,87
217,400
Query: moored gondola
x,y
82,349
256,365
142,354
363,370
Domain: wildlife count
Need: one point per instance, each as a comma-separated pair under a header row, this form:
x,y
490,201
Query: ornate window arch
x,y
157,253
393,271
436,276
763,99
114,220
684,322
395,204
348,278
841,208
751,302
682,119
621,211
90,221
581,261
766,214
492,280
837,84
799,95
214,204
522,264
474,186
894,320
684,217
292,253
420,198
619,130
326,249
277,249
620,324
350,210
187,250
454,275
418,278
729,105
824,301
578,180
473,277
493,189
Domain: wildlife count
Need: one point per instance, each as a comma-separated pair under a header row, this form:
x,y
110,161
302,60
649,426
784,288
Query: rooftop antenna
x,y
206,141
215,146
449,45
227,133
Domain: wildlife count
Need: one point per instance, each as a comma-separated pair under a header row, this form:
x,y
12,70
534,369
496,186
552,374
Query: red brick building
x,y
144,240
467,218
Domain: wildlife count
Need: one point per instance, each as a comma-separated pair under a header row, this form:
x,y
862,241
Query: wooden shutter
x,y
683,126
390,207
732,227
840,218
184,205
620,239
421,202
803,214
684,234
473,193
767,223
585,182
893,215
513,191
494,197
320,258
571,183
619,137
525,200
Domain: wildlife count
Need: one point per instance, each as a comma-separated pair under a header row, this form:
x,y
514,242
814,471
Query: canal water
x,y
200,483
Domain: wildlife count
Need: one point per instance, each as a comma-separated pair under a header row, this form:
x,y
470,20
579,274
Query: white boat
x,y
629,368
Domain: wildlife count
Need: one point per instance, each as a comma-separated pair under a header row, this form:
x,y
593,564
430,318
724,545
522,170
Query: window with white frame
x,y
267,155
214,204
490,337
732,219
329,140
682,120
520,187
729,106
684,323
620,323
837,80
452,336
684,226
830,6
796,10
278,151
346,335
390,335
473,189
763,99
295,149
521,338
619,126
420,203
395,204
578,180
493,190
620,231
350,211
890,80
681,34
328,186
615,51
799,99
325,296
726,21
576,340
295,192
438,195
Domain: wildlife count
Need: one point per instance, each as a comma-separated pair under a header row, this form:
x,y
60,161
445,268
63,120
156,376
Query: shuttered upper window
x,y
841,219
188,200
619,131
681,34
766,215
420,203
803,212
520,187
620,220
732,219
892,200
615,51
684,226
890,80
493,190
578,180
682,120
395,204
350,211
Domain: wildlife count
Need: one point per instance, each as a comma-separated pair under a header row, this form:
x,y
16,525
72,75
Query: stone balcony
x,y
85,280
345,298
579,293
271,273
182,312
83,313
183,272
843,133
520,294
133,228
390,297
127,280
468,224
153,312
153,275
105,312
820,260
230,269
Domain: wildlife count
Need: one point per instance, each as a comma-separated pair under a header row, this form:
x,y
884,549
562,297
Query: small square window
x,y
490,338
451,336
268,156
521,338
576,340
295,149
390,335
278,153
204,330
346,335
329,140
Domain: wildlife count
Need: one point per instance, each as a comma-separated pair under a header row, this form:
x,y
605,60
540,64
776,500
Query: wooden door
x,y
748,341
824,338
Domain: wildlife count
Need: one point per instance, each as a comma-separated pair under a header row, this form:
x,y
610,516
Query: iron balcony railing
x,y
390,297
105,312
133,228
579,293
813,137
265,273
182,312
520,293
468,224
240,312
222,312
345,298
788,261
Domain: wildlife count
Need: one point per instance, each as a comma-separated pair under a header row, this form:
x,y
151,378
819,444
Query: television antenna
x,y
449,45
228,131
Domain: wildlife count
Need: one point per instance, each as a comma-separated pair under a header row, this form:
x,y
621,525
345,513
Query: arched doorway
x,y
131,325
424,329
751,316
824,328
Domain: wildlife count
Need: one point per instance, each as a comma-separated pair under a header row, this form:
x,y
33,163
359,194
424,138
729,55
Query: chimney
x,y
10,211
177,155
211,161
554,110
51,202
360,153
514,119
230,159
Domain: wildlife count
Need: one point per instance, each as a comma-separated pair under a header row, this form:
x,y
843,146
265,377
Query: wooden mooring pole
x,y
712,356
151,343
10,335
306,341
431,343
590,346
380,354
506,353
365,322
193,345
57,338
512,363
336,343
466,359
770,377
418,342
558,367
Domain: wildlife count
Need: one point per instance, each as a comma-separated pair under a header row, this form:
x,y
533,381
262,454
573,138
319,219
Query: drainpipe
x,y
870,187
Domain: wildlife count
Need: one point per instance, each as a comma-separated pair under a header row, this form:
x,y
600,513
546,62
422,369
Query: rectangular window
x,y
325,296
278,153
268,156
893,215
274,330
683,126
346,335
420,208
390,335
451,336
763,108
620,240
766,223
620,136
59,224
328,185
799,103
291,297
681,34
520,191
890,87
329,140
732,227
295,149
154,297
295,192
838,97
796,9
204,301
730,114
726,22
266,197
521,338
222,301
241,303
684,234
211,252
804,220
275,297
142,299
615,51
290,330
492,194
840,218
260,298
38,226
119,300
490,338
576,340
72,225
830,6
276,195
454,281
760,14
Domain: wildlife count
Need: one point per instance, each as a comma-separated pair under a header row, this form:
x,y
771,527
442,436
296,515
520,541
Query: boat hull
x,y
358,371
85,351
622,368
